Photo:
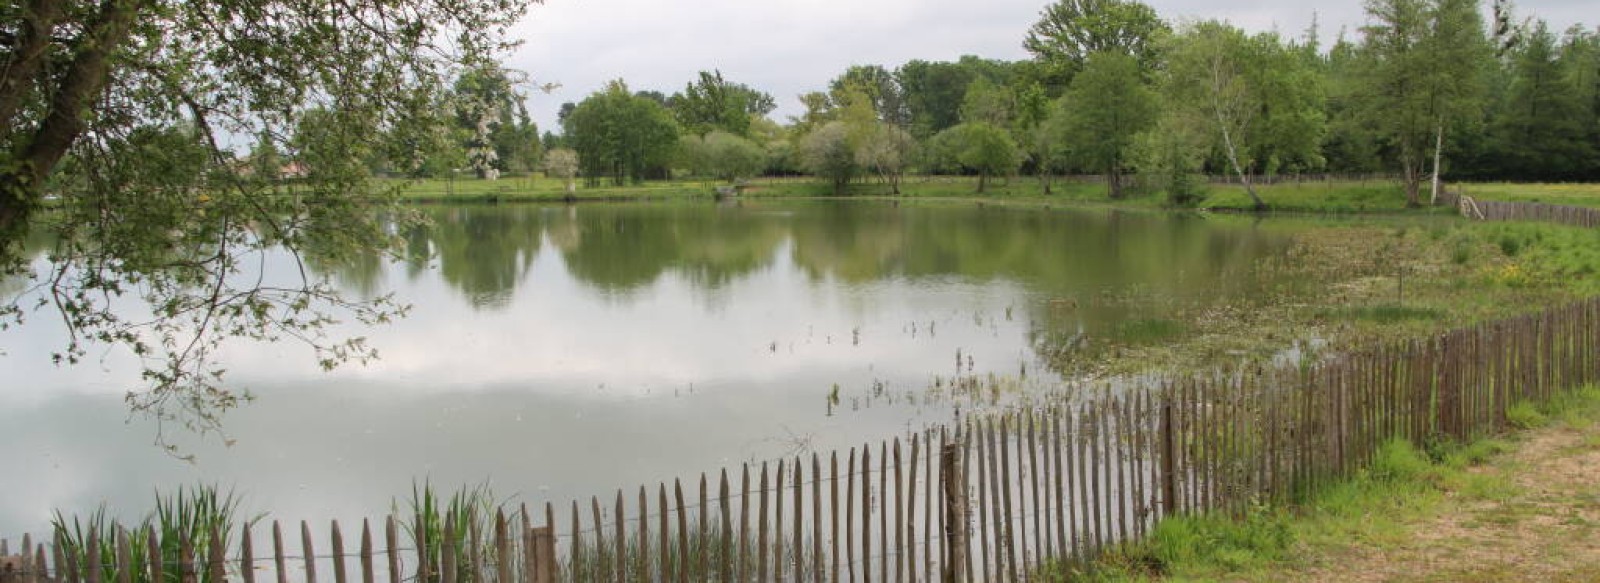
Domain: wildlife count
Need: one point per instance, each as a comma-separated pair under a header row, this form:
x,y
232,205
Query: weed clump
x,y
1525,415
1221,542
1397,461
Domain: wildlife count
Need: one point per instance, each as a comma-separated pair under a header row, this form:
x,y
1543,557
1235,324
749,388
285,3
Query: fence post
x,y
1169,465
544,553
954,484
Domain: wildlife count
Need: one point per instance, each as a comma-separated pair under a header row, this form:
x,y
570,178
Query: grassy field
x,y
1318,197
1519,507
1585,195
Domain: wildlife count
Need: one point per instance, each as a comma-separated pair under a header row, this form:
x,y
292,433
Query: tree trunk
x,y
1233,157
1114,184
1044,179
15,204
1411,172
39,19
22,186
983,181
1438,153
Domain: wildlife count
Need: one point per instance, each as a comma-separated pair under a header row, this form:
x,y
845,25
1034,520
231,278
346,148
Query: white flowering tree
x,y
563,163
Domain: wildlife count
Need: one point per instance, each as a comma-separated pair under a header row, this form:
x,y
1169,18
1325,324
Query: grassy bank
x,y
1518,507
1335,197
1310,197
537,188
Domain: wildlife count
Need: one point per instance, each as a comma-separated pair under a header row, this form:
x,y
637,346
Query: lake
x,y
558,352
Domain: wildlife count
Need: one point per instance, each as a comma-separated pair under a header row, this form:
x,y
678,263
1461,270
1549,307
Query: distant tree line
x,y
1428,88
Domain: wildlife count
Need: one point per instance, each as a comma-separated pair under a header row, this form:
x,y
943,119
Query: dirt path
x,y
1541,522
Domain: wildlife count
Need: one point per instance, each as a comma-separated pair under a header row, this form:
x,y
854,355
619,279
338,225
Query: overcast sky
x,y
787,47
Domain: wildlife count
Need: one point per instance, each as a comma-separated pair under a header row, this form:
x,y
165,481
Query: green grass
x,y
1586,195
539,188
1389,313
1324,197
1148,330
1404,483
1561,254
1526,415
1317,197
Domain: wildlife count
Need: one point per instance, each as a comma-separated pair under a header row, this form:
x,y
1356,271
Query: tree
x,y
265,159
1580,65
887,150
1542,132
934,92
1068,32
713,103
691,155
517,142
778,144
820,109
730,157
563,163
484,104
1351,144
1106,107
1171,156
828,153
550,141
880,87
988,103
985,149
98,101
1043,142
1424,71
620,135
1262,105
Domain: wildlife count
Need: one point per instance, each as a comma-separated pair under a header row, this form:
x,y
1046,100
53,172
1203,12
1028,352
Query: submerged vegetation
x,y
1352,283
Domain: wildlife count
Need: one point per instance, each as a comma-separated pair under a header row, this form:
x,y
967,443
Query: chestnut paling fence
x,y
985,499
1489,210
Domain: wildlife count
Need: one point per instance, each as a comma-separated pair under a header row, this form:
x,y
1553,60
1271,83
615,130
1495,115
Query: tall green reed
x,y
199,515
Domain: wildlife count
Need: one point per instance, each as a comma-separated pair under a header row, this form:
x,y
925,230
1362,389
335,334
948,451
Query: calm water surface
x,y
558,352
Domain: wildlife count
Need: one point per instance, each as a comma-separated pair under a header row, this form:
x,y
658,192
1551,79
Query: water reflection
x,y
485,252
565,351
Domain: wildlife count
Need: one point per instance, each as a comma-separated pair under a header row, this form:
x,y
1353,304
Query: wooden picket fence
x,y
1489,210
1534,211
988,498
